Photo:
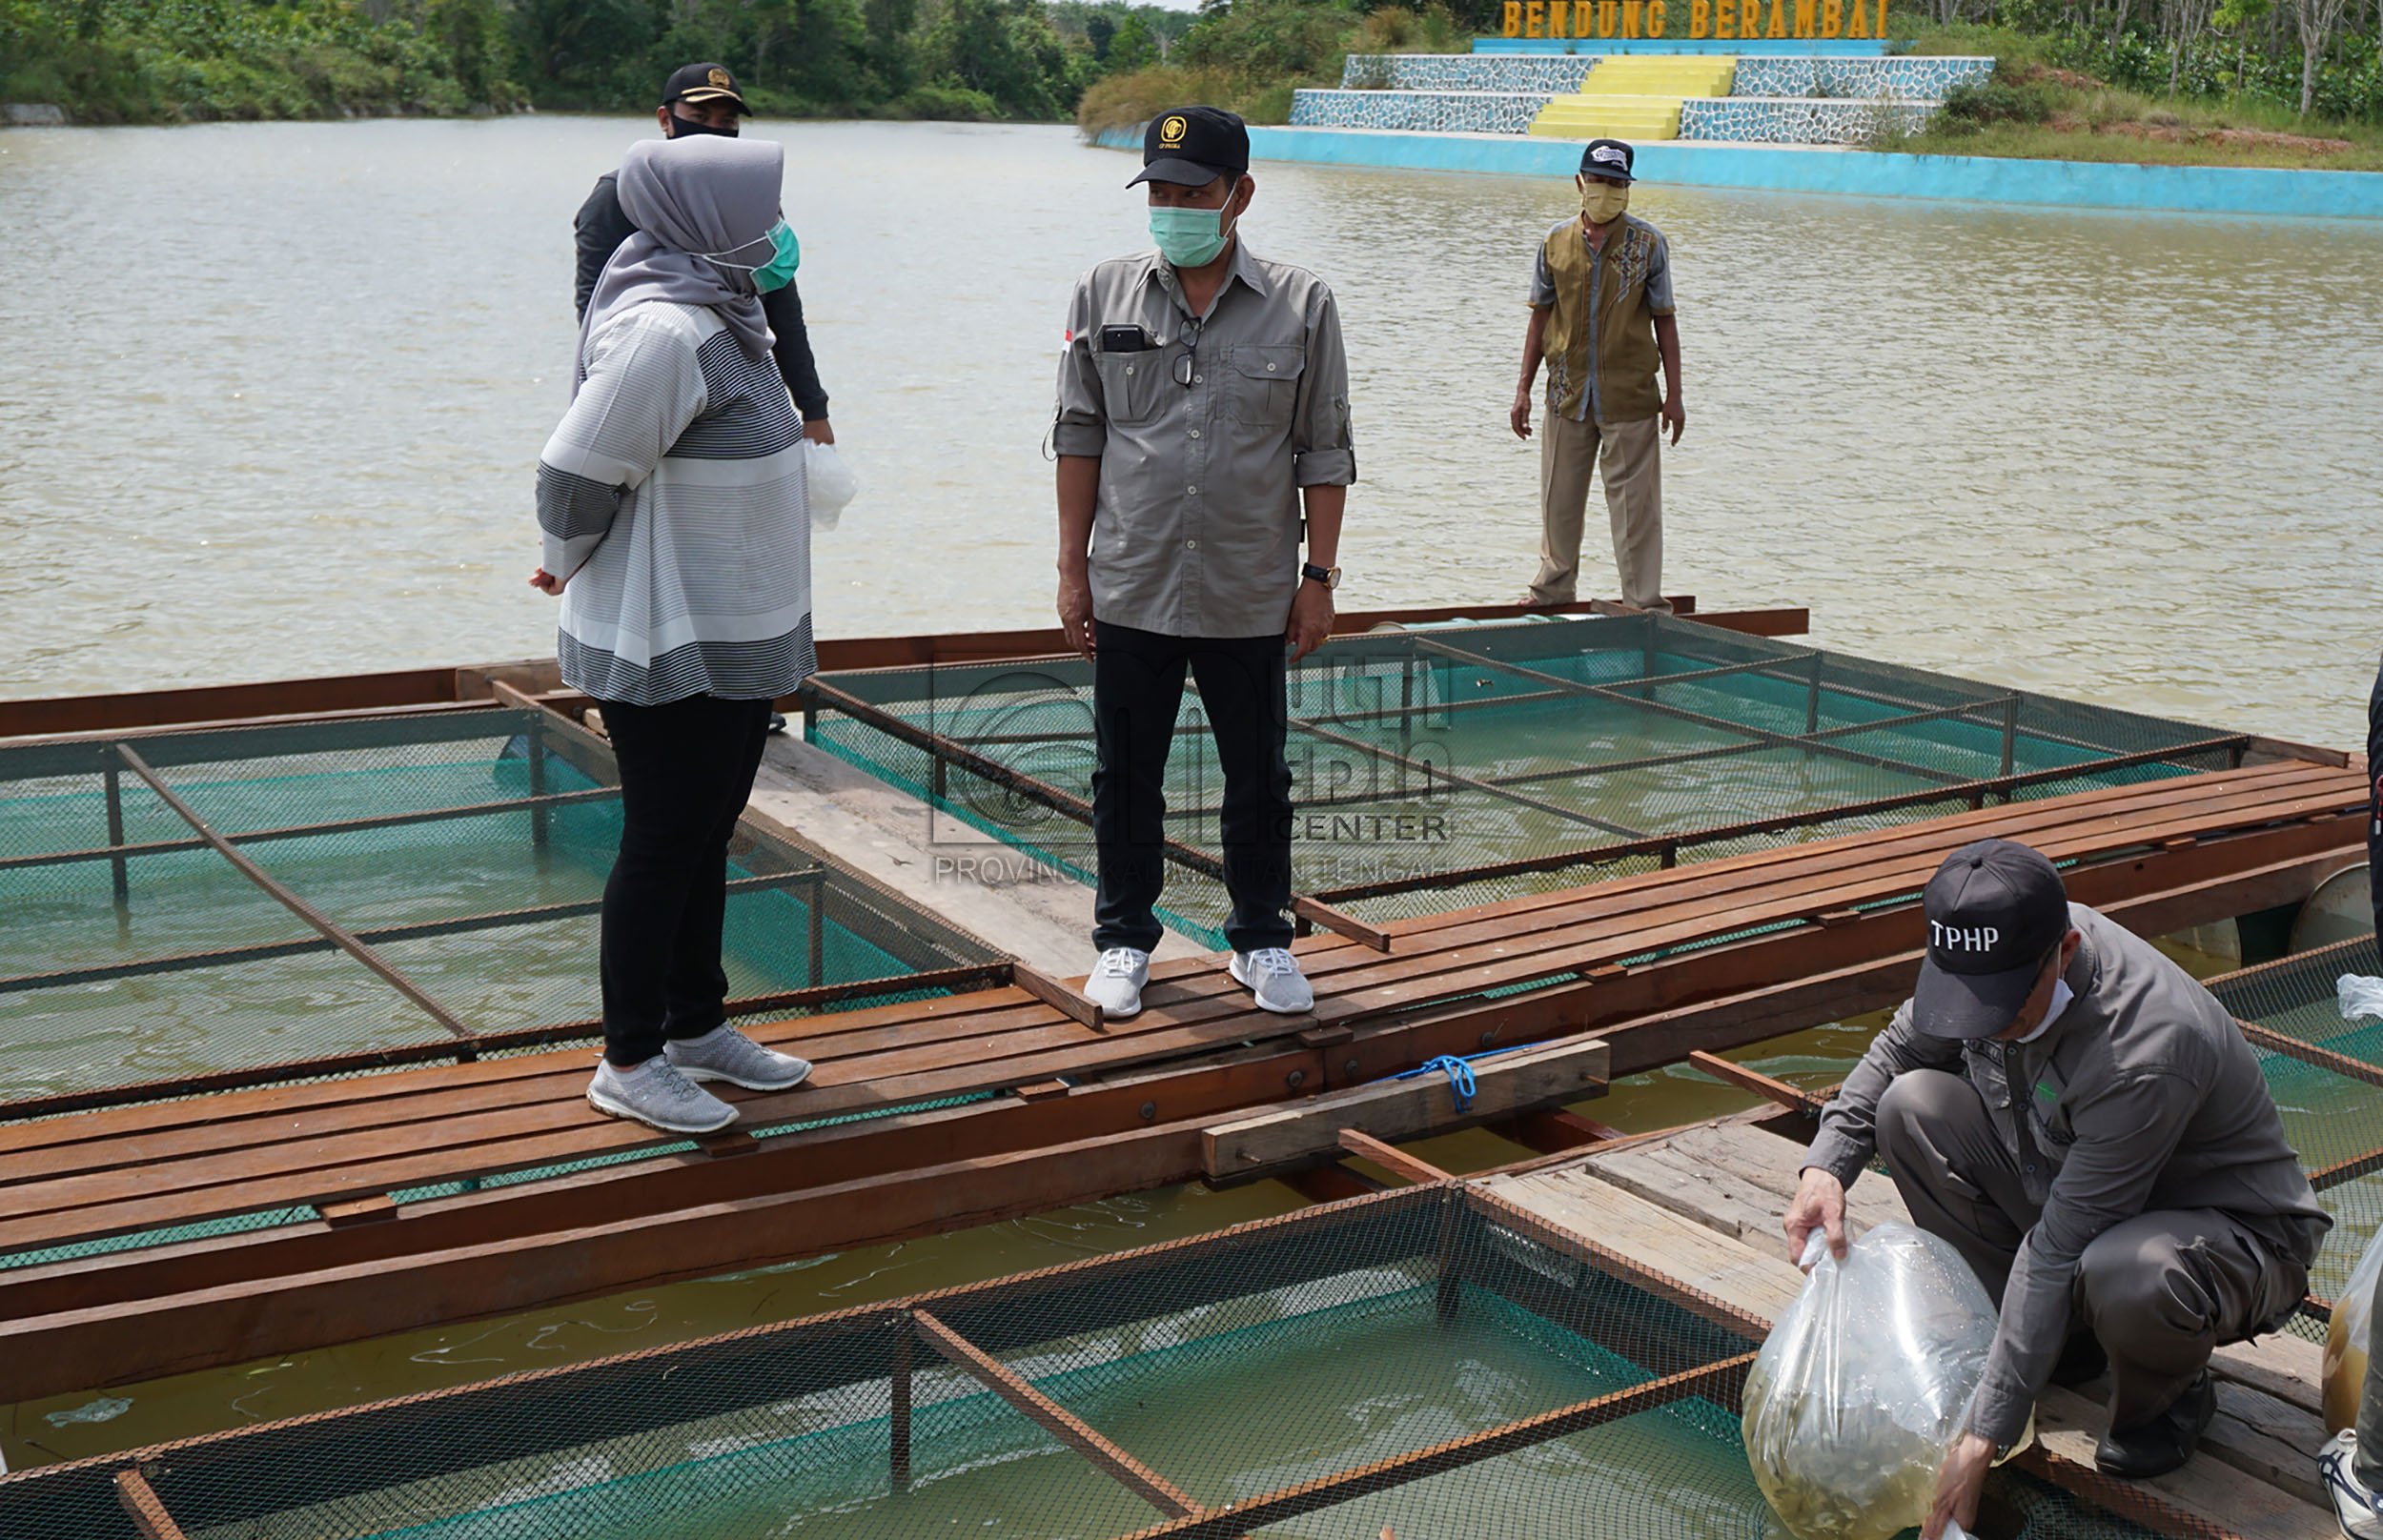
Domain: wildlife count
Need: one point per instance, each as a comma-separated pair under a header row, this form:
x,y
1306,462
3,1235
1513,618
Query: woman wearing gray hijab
x,y
677,534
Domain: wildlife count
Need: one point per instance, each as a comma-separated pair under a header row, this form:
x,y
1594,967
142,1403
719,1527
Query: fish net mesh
x,y
466,849
1437,768
1427,1360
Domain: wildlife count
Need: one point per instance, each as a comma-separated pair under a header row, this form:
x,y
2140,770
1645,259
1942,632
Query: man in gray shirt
x,y
2087,1125
1203,406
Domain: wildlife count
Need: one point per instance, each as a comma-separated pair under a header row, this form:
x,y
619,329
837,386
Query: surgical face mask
x,y
785,256
1602,202
682,126
1188,237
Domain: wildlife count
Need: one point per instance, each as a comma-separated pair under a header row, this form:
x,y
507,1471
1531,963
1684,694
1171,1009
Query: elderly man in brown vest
x,y
1601,318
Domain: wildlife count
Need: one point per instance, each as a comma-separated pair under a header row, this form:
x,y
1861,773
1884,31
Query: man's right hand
x,y
1519,418
1075,612
1819,1205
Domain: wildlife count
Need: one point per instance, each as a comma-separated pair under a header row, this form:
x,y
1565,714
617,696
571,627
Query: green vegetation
x,y
2044,100
160,61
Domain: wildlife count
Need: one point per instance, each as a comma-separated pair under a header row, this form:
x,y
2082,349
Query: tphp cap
x,y
1193,145
703,83
1608,157
1995,910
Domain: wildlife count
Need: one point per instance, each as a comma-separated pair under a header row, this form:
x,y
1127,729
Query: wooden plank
x,y
1390,1158
1571,1070
1068,1002
997,1377
141,1505
2213,1489
1748,1079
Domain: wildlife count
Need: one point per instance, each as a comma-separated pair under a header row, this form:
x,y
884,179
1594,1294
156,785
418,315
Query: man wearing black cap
x,y
2087,1125
1203,406
1601,320
702,98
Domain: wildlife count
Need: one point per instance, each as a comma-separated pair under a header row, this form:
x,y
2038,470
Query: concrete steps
x,y
1635,97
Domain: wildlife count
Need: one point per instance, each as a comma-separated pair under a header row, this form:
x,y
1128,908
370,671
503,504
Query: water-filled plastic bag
x,y
2346,1338
1864,1384
831,482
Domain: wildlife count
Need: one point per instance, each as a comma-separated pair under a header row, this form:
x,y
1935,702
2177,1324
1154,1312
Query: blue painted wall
x,y
1975,178
1840,47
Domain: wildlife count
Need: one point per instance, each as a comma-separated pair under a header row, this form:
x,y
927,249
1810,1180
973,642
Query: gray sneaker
x,y
1116,982
2357,1508
1272,975
725,1053
657,1095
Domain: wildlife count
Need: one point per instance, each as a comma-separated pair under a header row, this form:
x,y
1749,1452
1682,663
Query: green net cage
x,y
196,911
1429,1360
1440,767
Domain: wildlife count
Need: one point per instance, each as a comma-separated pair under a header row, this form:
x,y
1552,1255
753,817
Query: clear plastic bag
x,y
2346,1339
2357,996
1864,1384
830,483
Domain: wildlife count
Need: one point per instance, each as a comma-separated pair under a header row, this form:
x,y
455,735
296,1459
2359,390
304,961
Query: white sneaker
x,y
2356,1507
725,1053
1273,974
1116,982
657,1095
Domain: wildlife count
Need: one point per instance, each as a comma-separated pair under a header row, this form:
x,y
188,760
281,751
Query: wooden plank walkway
x,y
1134,1093
1704,1207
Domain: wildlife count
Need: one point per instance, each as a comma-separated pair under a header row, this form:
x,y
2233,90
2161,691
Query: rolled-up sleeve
x,y
1080,423
643,386
1659,279
2125,1137
1323,454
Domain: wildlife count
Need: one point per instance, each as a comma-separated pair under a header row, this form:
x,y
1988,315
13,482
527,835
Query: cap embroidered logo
x,y
1172,132
1970,939
1607,154
720,78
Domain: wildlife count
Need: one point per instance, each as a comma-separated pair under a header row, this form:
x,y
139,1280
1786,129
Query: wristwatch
x,y
1329,576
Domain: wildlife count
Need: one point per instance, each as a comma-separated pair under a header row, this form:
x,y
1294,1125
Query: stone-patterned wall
x,y
1555,74
1806,120
1910,79
1422,112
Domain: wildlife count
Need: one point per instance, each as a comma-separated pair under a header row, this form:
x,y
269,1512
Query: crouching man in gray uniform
x,y
2085,1124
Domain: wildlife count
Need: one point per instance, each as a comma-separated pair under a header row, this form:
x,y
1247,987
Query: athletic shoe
x,y
725,1053
1273,974
2357,1508
658,1095
2164,1442
1116,982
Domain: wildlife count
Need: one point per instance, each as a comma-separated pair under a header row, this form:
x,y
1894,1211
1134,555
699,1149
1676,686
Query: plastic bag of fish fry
x,y
1864,1384
2346,1339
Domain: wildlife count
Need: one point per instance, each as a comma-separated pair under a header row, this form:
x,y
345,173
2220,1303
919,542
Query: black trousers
x,y
1137,690
686,771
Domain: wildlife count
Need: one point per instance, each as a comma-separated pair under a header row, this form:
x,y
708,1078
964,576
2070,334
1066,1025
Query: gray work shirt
x,y
2142,1097
1196,533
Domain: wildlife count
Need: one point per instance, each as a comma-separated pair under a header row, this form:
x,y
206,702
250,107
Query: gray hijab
x,y
693,197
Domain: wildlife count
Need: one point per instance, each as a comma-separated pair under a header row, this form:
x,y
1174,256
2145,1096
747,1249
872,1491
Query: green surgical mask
x,y
1188,237
785,256
1602,202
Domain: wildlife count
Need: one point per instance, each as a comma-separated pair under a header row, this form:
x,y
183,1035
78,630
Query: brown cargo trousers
x,y
1629,456
2161,1292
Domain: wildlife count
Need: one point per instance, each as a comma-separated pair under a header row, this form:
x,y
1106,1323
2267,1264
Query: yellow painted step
x,y
1662,74
1609,117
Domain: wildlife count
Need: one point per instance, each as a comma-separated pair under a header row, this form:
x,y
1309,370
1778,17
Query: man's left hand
x,y
1311,619
1676,416
817,431
1958,1485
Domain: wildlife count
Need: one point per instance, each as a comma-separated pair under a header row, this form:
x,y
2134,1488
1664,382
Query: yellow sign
x,y
1171,131
1747,21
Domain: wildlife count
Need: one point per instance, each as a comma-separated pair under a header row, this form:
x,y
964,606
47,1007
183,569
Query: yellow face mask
x,y
1602,202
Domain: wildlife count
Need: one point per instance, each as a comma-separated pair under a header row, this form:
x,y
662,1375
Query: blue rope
x,y
1459,1072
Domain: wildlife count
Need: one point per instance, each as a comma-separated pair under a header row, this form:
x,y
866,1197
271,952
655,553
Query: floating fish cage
x,y
1444,766
1430,1359
185,911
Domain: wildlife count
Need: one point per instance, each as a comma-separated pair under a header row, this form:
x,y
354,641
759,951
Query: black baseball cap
x,y
703,83
1995,910
1609,158
1193,145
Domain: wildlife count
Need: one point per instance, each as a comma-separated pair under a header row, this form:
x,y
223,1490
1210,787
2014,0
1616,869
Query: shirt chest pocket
x,y
1131,383
1263,383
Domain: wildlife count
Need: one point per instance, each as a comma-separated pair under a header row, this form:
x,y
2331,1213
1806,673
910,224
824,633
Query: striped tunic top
x,y
672,497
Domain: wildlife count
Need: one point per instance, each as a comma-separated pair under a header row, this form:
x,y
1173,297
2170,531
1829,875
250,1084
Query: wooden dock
x,y
1703,1206
1002,1101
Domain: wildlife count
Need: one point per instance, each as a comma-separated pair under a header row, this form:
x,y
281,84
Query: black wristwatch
x,y
1329,576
